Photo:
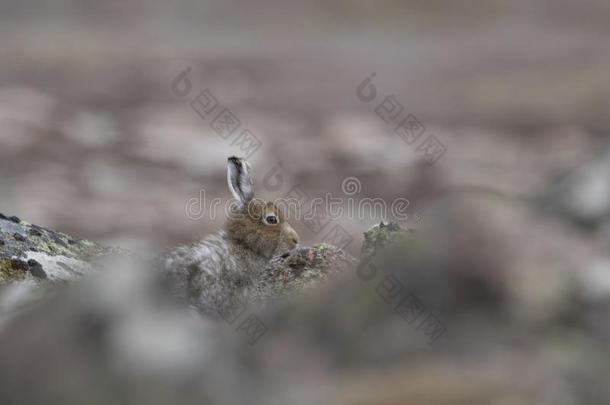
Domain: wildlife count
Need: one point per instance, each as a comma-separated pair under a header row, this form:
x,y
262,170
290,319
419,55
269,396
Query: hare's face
x,y
262,227
255,224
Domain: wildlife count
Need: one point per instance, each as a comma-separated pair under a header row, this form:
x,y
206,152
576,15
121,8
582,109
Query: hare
x,y
216,272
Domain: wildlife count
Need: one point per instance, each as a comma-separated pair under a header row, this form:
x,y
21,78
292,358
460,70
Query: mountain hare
x,y
216,271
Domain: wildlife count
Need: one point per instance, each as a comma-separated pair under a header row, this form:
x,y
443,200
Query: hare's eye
x,y
271,219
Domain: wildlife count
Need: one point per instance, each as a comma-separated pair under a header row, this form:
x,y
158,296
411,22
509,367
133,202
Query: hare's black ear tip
x,y
233,159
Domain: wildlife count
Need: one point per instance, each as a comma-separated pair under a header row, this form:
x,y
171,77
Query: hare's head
x,y
256,224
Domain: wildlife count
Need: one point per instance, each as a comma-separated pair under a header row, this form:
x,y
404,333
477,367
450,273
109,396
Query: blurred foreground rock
x,y
583,194
486,305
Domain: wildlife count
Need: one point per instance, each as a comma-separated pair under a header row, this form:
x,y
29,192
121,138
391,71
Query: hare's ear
x,y
240,180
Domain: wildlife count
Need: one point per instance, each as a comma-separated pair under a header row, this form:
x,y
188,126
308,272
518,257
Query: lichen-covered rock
x,y
33,253
302,269
379,236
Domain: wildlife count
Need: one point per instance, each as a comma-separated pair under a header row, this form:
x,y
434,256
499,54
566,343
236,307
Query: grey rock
x,y
584,193
57,256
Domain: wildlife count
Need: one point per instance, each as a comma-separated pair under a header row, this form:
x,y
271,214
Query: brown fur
x,y
212,273
246,227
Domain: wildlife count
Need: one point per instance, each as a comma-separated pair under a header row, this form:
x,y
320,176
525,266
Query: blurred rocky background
x,y
94,142
97,140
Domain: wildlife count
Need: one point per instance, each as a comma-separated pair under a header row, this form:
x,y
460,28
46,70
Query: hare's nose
x,y
294,240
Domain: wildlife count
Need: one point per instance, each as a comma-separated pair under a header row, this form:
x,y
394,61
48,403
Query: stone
x,y
22,241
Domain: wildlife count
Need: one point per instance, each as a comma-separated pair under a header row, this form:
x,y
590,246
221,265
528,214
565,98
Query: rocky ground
x,y
450,314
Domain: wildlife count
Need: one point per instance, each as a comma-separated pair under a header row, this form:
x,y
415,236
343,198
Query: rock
x,y
35,232
302,269
52,256
345,338
379,236
91,129
36,269
583,195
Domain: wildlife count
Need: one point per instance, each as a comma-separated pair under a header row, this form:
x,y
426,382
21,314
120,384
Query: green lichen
x,y
10,271
378,236
19,238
